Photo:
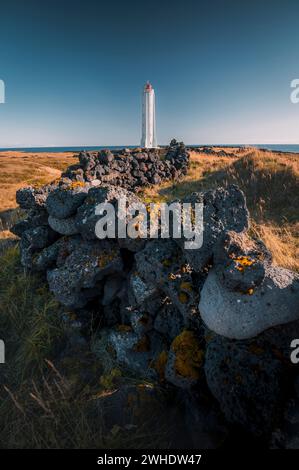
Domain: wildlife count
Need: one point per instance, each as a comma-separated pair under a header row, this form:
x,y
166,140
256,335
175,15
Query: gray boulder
x,y
161,265
240,261
33,198
76,281
113,288
137,352
247,381
169,321
141,322
139,291
86,217
64,201
35,218
237,315
34,240
224,209
63,226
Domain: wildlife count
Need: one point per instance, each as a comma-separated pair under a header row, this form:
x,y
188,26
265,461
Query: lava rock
x,y
63,226
32,198
137,352
64,201
185,360
75,283
240,316
240,262
223,210
247,382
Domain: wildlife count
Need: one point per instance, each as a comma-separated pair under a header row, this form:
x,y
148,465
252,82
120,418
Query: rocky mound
x,y
131,168
213,323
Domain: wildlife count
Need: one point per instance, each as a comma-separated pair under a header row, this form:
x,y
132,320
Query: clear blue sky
x,y
74,71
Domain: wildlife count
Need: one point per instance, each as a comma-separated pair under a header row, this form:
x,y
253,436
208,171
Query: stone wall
x,y
216,318
132,168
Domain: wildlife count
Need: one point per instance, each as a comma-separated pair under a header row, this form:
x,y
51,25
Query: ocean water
x,y
65,149
294,148
280,148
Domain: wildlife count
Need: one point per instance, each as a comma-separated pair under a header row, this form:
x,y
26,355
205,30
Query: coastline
x,y
275,148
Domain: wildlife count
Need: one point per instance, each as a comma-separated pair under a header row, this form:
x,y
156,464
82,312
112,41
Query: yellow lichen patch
x,y
250,291
160,365
188,355
105,258
186,268
242,262
183,297
143,345
76,184
172,276
186,286
124,328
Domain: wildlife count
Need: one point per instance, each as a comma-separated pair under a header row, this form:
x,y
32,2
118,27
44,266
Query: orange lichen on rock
x,y
188,355
186,268
183,297
242,262
105,258
172,277
76,184
186,286
124,328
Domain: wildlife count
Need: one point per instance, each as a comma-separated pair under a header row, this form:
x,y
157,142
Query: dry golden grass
x,y
270,182
19,169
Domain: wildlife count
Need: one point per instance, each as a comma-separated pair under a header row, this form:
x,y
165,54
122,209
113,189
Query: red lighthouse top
x,y
148,86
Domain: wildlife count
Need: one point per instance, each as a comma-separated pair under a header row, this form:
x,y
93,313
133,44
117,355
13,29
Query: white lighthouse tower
x,y
148,139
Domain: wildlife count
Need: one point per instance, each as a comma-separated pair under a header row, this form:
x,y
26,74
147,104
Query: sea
x,y
294,148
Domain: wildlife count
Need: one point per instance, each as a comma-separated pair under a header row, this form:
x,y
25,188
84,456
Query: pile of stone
x,y
213,322
132,168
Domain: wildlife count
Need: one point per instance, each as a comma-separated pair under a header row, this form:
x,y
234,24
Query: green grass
x,y
38,408
46,401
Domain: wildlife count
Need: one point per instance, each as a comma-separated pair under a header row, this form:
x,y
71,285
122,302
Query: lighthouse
x,y
148,139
